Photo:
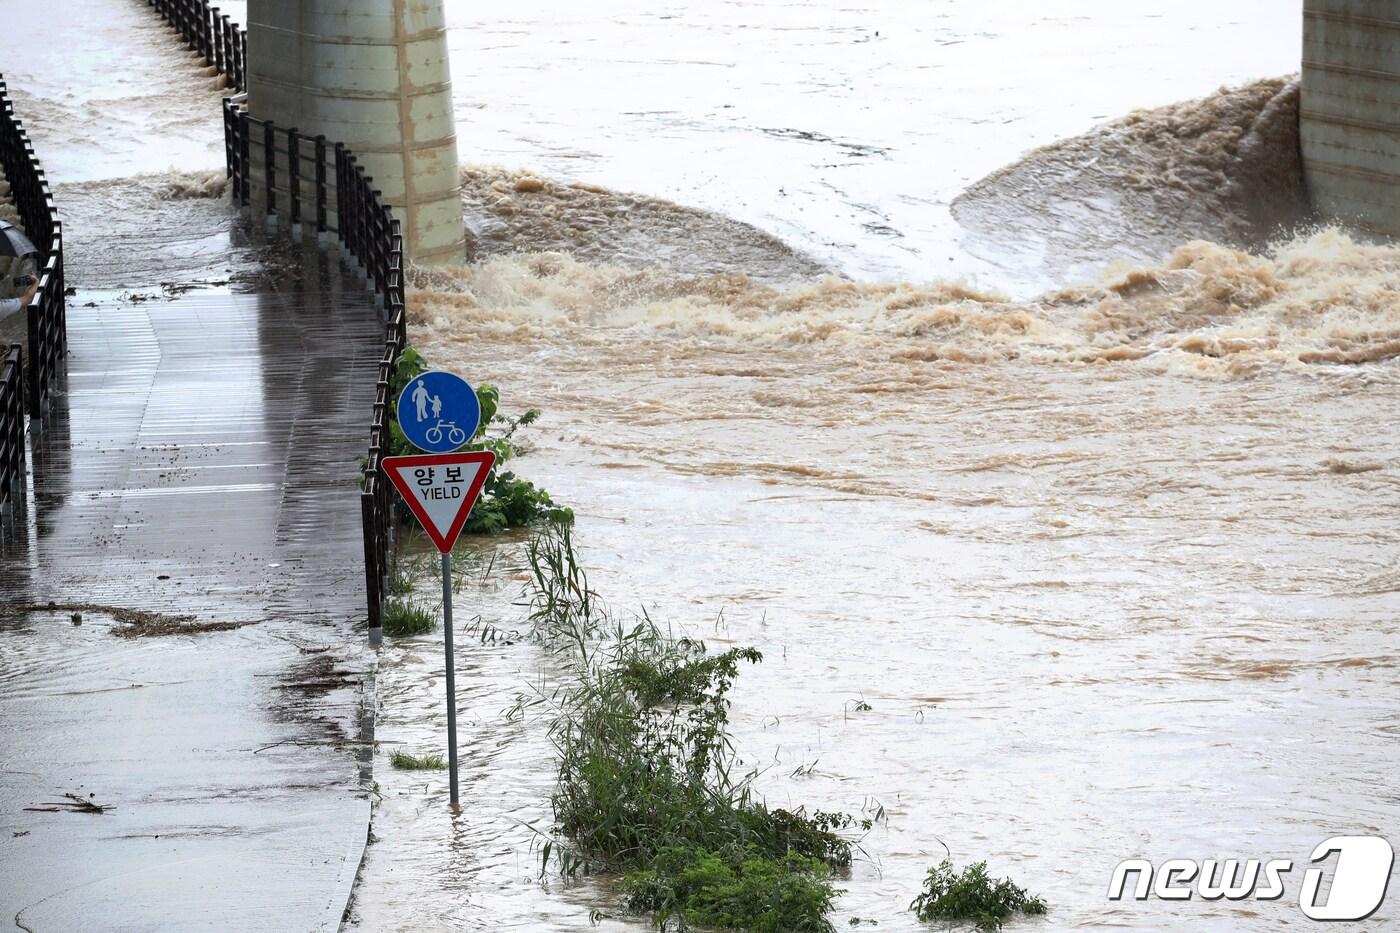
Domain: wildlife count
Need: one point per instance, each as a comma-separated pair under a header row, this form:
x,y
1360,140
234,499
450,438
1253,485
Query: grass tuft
x,y
407,617
404,761
972,897
400,577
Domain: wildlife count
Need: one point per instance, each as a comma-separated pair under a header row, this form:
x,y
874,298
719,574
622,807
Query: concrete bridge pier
x,y
1350,113
374,75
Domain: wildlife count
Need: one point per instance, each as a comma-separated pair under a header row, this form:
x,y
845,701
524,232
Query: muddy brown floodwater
x,y
1113,569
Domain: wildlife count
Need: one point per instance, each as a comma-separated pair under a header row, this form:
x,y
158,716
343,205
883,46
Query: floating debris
x,y
131,623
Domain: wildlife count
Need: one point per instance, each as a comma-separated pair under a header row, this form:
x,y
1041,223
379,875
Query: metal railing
x,y
11,426
47,315
307,180
325,187
212,34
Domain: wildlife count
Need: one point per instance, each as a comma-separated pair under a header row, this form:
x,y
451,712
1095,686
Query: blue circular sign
x,y
438,412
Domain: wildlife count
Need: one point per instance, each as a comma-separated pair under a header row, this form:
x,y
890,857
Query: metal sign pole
x,y
451,677
439,412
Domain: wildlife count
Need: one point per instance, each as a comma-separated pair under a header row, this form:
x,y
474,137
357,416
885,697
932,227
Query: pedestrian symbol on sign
x,y
438,412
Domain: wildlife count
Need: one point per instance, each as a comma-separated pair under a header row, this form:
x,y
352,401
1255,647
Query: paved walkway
x,y
201,464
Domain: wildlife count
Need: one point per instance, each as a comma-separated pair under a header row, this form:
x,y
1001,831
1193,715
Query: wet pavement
x,y
200,467
185,733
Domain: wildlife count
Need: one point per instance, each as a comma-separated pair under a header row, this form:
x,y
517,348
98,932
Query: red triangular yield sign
x,y
440,489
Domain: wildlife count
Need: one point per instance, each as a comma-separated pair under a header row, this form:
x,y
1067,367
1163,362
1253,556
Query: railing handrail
x,y
47,313
218,40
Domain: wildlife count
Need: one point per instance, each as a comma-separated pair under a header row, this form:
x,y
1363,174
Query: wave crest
x,y
1321,298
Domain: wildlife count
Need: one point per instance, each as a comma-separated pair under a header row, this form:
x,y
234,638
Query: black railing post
x,y
216,38
365,210
367,225
270,166
187,23
373,558
320,185
345,202
380,232
230,149
294,176
35,324
228,52
244,154
395,295
62,323
11,424
386,227
355,188
60,306
341,186
352,204
358,186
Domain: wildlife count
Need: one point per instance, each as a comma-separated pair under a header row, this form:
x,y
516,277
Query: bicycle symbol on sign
x,y
455,434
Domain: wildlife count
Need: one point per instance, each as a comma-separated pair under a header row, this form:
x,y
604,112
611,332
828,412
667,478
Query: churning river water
x,y
1065,539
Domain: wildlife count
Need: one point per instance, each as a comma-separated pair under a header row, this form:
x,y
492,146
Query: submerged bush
x,y
507,501
972,897
645,785
735,889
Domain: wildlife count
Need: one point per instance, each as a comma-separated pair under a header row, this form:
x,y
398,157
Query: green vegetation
x,y
404,761
507,501
400,579
407,617
645,784
739,889
972,897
